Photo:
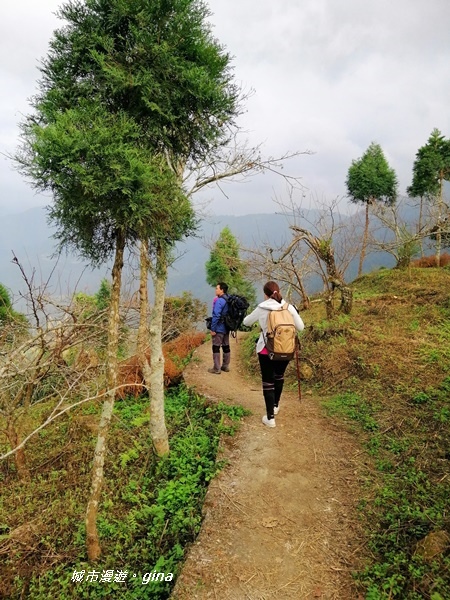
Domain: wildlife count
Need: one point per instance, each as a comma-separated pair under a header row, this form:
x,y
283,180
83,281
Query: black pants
x,y
272,375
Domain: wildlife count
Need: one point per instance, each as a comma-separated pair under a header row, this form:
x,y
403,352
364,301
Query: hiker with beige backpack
x,y
276,345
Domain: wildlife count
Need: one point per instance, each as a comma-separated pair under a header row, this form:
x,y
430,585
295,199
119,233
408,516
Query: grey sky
x,y
330,76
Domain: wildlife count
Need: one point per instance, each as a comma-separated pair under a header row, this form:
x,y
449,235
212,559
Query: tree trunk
x,y
143,333
92,539
329,306
335,280
305,298
364,243
158,428
19,456
346,300
422,254
438,232
403,263
323,250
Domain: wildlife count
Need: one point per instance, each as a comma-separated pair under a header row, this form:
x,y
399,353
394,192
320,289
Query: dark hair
x,y
272,290
223,286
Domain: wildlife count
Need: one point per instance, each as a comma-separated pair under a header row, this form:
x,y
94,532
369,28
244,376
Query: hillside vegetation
x,y
385,370
150,510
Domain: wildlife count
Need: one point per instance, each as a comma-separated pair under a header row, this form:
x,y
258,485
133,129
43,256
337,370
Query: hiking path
x,y
280,520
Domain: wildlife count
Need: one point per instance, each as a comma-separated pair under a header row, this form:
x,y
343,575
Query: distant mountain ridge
x,y
29,236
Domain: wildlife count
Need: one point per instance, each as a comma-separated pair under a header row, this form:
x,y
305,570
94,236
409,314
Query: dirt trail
x,y
280,519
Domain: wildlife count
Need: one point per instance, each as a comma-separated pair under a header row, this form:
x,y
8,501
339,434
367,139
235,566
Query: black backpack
x,y
237,307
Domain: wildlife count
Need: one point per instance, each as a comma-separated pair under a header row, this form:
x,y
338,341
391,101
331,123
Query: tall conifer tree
x,y
370,179
131,92
225,264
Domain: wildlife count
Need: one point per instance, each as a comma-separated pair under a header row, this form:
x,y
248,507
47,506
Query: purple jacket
x,y
220,309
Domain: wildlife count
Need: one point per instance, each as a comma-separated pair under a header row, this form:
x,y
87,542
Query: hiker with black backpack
x,y
219,332
275,346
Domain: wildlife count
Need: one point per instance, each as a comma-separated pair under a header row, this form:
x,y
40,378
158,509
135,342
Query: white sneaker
x,y
276,410
268,422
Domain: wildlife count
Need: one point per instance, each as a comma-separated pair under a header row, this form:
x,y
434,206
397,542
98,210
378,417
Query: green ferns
x,y
152,509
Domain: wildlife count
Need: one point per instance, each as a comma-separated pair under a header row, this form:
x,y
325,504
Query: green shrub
x,y
151,509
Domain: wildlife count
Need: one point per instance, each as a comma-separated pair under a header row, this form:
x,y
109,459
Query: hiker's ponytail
x,y
272,290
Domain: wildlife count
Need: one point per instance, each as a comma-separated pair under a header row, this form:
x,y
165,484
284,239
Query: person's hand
x,y
213,333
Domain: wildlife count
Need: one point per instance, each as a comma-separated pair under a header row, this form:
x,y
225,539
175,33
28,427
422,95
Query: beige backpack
x,y
281,340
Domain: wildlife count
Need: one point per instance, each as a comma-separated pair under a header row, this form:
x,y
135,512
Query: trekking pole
x,y
298,370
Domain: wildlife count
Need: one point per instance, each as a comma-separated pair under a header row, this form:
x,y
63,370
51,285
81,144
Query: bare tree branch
x,y
237,161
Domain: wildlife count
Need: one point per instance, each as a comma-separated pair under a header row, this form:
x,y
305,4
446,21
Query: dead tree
x,y
332,277
51,361
325,247
402,239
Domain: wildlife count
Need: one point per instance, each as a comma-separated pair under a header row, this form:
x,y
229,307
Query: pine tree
x,y
225,265
370,179
131,91
431,168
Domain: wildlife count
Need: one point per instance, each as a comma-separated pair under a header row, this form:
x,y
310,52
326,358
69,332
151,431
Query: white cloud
x,y
329,76
334,76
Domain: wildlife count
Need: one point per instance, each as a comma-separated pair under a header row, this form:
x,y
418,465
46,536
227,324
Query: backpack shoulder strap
x,y
225,297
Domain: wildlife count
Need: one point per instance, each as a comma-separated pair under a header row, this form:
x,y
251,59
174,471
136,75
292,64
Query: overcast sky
x,y
329,76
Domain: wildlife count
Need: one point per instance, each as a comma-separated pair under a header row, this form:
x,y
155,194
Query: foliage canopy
x,y
130,91
225,265
431,166
370,178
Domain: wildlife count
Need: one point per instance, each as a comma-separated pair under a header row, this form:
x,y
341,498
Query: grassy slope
x,y
385,369
150,510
